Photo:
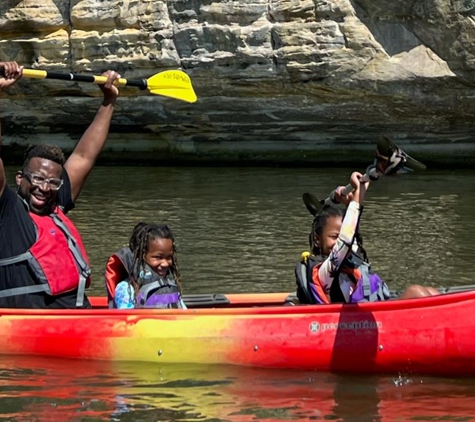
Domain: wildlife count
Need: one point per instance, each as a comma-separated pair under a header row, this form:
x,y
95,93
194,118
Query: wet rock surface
x,y
288,81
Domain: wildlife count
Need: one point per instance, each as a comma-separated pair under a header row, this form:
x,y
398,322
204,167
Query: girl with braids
x,y
337,269
145,274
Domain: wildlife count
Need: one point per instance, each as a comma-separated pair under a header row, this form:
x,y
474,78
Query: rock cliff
x,y
277,80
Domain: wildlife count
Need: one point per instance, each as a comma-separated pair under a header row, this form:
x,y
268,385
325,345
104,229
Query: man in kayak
x,y
43,263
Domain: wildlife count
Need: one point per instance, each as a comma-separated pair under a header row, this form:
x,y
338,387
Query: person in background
x,y
43,262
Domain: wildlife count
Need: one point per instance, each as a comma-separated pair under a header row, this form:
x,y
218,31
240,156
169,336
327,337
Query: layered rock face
x,y
277,80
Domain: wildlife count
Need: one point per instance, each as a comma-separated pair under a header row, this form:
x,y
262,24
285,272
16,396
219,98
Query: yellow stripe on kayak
x,y
174,339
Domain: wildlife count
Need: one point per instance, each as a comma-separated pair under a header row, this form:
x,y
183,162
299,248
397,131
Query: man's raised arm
x,y
10,72
82,160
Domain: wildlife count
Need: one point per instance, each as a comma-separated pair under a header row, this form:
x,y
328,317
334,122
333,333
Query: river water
x,y
242,230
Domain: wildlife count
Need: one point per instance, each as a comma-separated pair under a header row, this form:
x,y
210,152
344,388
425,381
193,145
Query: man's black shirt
x,y
17,235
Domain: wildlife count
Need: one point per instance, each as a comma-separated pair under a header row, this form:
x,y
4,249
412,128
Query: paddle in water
x,y
169,83
390,159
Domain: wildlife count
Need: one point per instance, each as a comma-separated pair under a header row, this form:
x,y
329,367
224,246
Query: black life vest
x,y
369,287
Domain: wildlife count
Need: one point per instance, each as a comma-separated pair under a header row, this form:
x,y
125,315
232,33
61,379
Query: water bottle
x,y
124,296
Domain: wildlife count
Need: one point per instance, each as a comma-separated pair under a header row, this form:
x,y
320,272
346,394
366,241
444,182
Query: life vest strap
x,y
84,268
366,284
302,281
45,288
81,291
25,290
25,256
147,288
381,294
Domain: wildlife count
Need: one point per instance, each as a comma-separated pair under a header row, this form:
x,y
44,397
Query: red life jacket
x,y
58,258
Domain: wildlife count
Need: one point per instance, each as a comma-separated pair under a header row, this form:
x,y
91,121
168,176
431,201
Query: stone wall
x,y
293,81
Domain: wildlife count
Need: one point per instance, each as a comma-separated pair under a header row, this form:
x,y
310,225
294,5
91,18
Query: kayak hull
x,y
434,335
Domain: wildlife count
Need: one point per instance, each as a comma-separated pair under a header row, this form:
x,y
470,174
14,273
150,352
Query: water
x,y
242,230
56,390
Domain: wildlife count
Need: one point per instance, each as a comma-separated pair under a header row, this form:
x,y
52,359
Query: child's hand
x,y
341,198
356,182
359,186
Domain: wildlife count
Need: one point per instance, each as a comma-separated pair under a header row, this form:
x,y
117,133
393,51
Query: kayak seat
x,y
206,300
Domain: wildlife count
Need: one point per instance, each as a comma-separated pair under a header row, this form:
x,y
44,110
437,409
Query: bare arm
x,y
10,73
83,158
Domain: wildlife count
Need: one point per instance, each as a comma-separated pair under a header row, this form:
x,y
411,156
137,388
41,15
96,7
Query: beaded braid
x,y
320,221
142,234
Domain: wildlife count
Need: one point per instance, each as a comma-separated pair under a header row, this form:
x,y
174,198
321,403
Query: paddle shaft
x,y
64,76
371,174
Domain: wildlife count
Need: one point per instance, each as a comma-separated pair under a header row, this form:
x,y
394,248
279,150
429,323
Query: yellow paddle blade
x,y
179,94
172,83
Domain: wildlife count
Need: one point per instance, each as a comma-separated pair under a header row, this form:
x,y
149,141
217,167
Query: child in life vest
x,y
341,272
150,267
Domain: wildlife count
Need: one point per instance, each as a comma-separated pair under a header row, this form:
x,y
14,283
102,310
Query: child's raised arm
x,y
344,242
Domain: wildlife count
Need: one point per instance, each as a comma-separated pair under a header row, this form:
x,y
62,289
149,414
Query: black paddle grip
x,y
69,77
139,83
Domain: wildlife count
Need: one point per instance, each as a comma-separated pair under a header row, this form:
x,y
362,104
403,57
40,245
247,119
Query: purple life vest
x,y
157,292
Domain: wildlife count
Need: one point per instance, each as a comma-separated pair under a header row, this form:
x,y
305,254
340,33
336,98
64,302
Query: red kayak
x,y
431,335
